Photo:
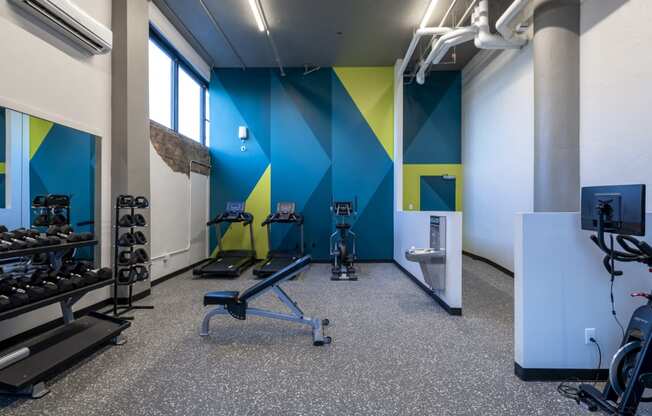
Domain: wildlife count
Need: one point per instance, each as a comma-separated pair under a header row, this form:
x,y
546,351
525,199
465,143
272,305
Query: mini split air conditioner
x,y
69,20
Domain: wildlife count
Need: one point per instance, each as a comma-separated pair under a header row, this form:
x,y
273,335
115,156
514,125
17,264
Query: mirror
x,y
38,158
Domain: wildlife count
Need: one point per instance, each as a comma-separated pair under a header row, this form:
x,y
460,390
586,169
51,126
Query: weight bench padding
x,y
220,298
236,304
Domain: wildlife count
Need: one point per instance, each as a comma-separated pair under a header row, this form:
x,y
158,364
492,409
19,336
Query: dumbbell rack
x,y
49,210
24,367
119,310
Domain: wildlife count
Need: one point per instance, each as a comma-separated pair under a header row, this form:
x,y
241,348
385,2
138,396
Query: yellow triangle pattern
x,y
258,204
38,131
372,91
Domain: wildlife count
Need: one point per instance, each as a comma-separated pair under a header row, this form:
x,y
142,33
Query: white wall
x,y
497,153
178,218
44,76
413,230
561,288
179,211
615,86
163,25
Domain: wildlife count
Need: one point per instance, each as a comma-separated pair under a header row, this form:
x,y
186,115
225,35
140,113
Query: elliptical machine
x,y
342,241
621,210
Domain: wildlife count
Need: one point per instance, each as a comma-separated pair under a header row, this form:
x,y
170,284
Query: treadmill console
x,y
235,207
284,210
343,208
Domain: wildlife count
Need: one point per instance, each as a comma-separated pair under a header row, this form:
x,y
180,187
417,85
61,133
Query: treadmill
x,y
229,263
277,259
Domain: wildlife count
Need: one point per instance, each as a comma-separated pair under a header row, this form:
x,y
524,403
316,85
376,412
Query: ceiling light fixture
x,y
259,19
426,17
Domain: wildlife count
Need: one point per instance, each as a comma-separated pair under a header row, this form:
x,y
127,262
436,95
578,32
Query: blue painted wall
x,y
319,146
65,164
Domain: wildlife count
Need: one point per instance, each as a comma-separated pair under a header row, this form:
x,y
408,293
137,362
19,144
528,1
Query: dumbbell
x,y
105,273
63,284
17,297
36,278
5,303
66,232
34,292
34,237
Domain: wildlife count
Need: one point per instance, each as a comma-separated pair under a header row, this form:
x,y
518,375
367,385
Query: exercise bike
x,y
621,210
342,241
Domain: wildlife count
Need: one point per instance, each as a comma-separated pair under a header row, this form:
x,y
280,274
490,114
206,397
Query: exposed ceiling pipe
x,y
443,45
504,23
487,40
466,13
448,12
479,32
427,31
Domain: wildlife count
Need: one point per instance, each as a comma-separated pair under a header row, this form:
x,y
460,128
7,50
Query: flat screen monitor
x,y
623,207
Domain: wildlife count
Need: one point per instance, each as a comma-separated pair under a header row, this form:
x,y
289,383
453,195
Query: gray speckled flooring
x,y
395,352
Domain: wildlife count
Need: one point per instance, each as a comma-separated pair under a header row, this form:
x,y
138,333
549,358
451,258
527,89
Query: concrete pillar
x,y
130,145
556,51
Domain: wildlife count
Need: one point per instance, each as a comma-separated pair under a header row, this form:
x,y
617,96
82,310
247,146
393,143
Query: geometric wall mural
x,y
432,125
312,139
62,161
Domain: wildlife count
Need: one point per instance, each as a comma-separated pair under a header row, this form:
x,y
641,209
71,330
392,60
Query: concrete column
x,y
130,145
556,51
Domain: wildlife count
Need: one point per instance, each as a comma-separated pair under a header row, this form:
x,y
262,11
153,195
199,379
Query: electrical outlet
x,y
588,334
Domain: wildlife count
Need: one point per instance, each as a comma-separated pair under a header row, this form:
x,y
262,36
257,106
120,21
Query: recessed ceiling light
x,y
259,19
429,10
339,33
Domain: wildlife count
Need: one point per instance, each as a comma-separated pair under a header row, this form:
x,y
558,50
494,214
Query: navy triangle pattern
x,y
320,148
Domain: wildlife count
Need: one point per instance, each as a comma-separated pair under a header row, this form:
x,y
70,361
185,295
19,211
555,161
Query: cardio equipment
x,y
229,263
621,210
278,259
342,241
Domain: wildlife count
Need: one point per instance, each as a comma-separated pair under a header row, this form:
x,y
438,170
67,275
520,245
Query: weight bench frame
x,y
296,315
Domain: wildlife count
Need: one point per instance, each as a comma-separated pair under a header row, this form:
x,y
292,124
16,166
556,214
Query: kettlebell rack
x,y
128,246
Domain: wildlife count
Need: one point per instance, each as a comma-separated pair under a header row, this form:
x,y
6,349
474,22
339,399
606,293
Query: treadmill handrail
x,y
275,219
243,217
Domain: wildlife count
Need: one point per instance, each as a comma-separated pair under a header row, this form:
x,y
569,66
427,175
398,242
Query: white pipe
x,y
448,12
504,22
487,40
443,45
189,246
466,13
415,41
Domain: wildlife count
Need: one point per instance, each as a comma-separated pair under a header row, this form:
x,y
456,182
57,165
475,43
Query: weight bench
x,y
237,304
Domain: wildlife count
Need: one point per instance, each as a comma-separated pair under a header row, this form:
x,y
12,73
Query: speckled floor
x,y
395,352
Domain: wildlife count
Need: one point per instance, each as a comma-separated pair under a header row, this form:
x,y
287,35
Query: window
x,y
178,97
190,102
207,119
160,85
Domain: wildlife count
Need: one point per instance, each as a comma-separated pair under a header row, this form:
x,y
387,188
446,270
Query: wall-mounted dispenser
x,y
243,134
433,259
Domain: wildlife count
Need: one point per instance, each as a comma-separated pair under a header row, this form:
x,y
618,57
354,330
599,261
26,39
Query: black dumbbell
x,y
141,255
141,273
5,303
140,238
126,276
139,220
126,240
125,201
141,202
34,292
127,221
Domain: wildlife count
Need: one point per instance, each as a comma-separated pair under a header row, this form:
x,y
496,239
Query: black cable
x,y
568,391
597,371
611,293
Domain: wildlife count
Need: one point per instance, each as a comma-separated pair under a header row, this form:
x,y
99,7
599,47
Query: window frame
x,y
179,61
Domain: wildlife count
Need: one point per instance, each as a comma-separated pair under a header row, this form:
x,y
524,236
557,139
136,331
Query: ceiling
x,y
313,32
